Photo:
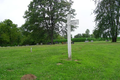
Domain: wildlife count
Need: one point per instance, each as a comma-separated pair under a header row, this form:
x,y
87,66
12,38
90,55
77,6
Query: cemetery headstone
x,y
31,49
41,43
37,44
91,40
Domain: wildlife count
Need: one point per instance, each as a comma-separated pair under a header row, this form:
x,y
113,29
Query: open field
x,y
90,61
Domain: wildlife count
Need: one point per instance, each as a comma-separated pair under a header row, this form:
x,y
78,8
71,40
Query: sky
x,y
15,9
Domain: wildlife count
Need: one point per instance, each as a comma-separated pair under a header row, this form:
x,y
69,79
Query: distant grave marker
x,y
37,44
31,49
91,40
41,43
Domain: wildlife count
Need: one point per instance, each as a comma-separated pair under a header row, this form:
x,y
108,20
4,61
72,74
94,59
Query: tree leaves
x,y
107,19
50,15
9,33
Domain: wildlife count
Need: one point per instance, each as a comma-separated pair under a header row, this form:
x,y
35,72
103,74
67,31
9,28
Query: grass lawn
x,y
90,61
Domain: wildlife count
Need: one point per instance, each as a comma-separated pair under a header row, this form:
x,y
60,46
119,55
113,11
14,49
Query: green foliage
x,y
107,19
87,32
9,33
78,36
60,40
78,40
118,38
90,61
46,17
33,36
82,39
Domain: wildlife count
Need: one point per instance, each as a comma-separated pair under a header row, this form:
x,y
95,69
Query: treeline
x,y
80,40
11,35
45,20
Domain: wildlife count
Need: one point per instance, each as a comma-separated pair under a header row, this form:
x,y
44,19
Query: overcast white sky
x,y
14,10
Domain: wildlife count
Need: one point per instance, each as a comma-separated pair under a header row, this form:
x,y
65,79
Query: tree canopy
x,y
46,17
9,33
107,19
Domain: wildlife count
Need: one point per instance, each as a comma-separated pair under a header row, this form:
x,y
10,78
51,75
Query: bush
x,y
118,38
60,40
75,40
82,39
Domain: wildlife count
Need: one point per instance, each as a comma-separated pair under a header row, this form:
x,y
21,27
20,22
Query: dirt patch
x,y
67,59
59,63
28,77
75,60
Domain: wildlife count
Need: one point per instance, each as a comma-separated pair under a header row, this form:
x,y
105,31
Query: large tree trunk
x,y
52,37
114,39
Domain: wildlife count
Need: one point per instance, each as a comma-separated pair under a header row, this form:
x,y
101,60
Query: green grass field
x,y
90,61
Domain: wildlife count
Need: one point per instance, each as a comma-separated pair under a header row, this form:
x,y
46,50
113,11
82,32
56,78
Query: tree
x,y
34,34
87,32
9,33
107,19
83,35
92,36
78,36
48,15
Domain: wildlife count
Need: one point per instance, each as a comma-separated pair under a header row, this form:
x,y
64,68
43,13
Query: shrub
x,y
75,40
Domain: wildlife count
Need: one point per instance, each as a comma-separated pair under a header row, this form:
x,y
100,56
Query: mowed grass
x,y
90,61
